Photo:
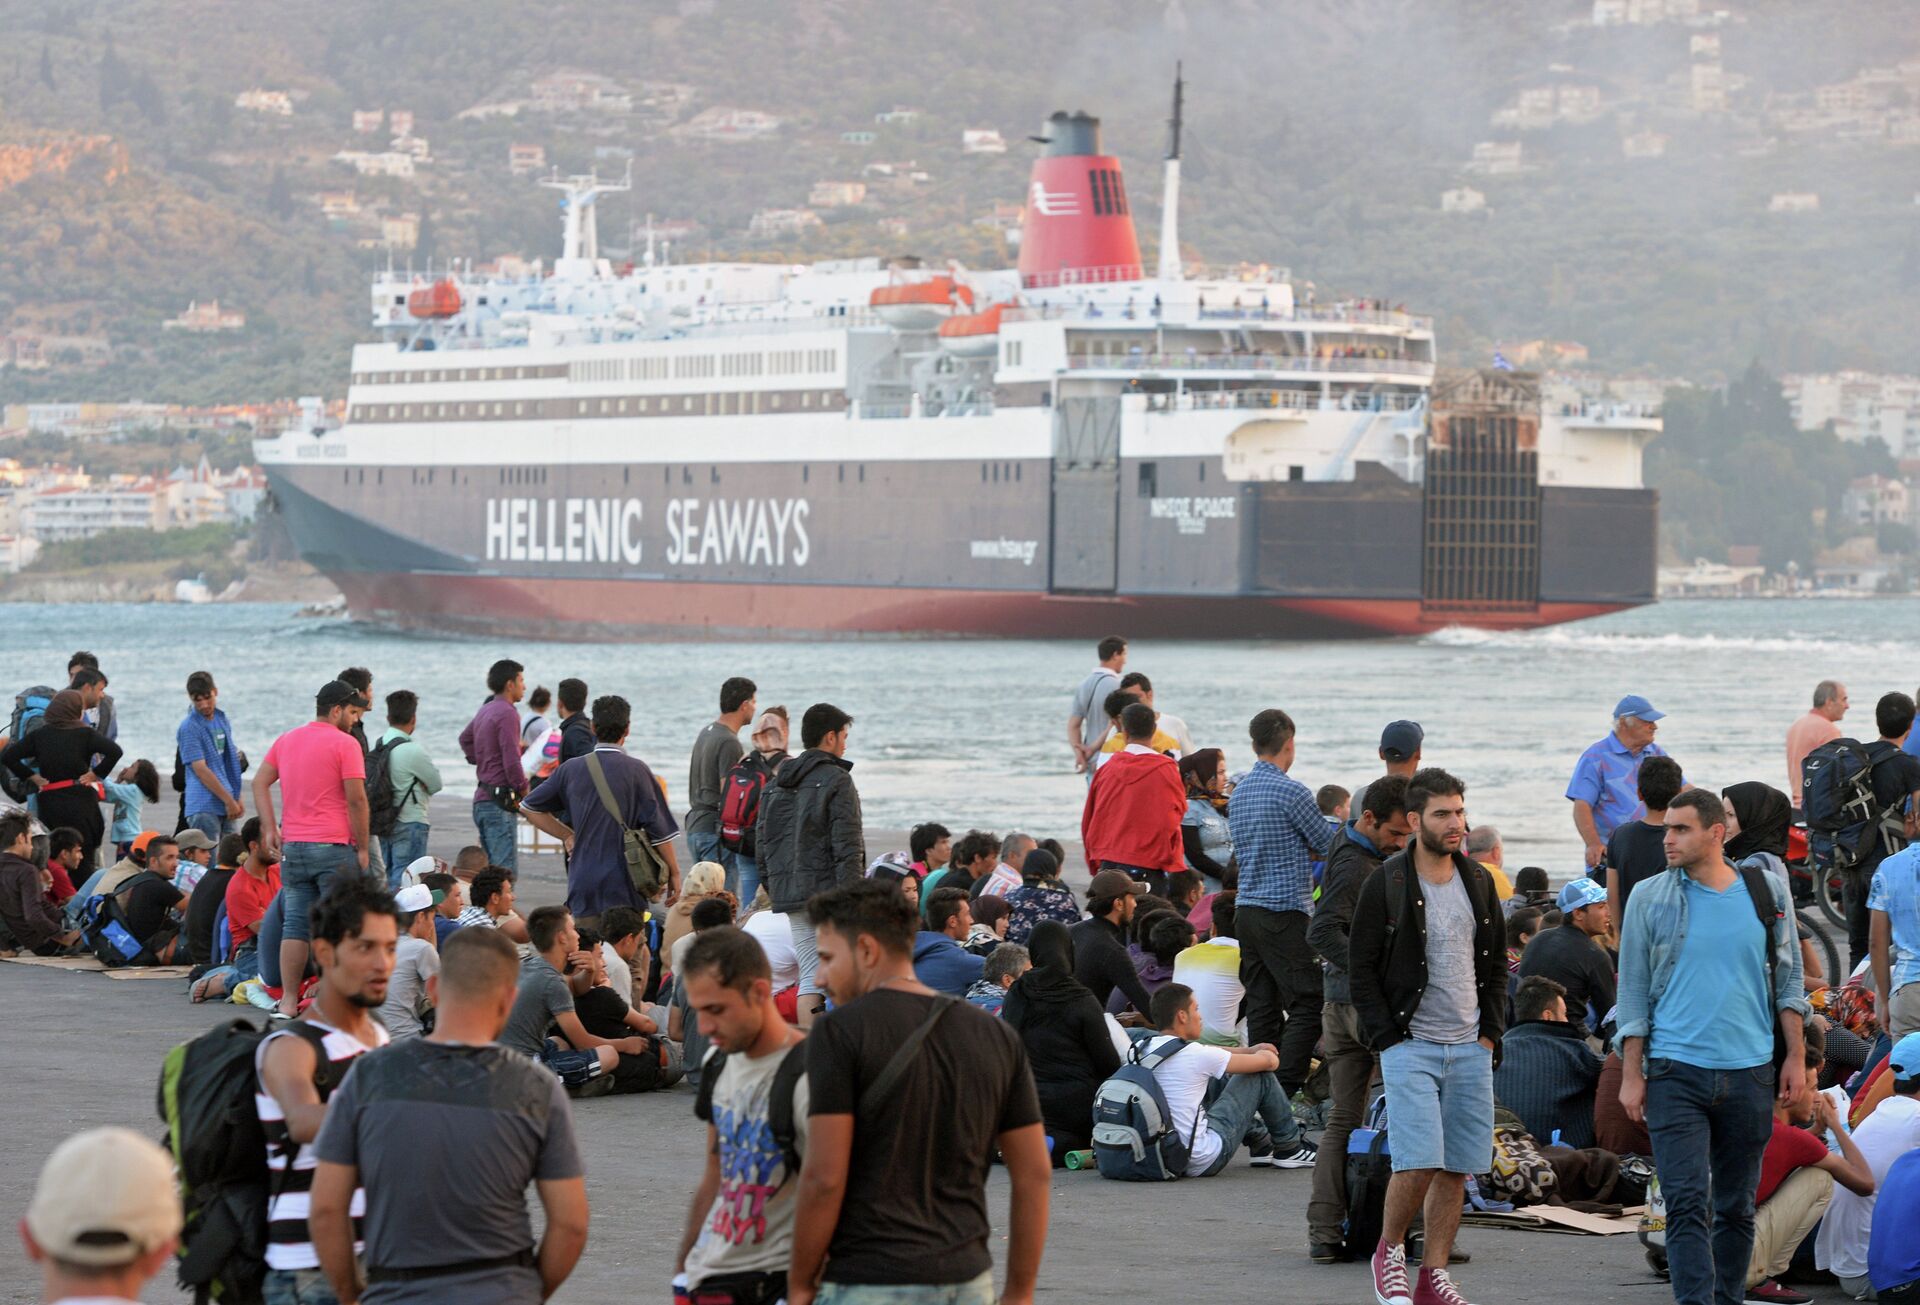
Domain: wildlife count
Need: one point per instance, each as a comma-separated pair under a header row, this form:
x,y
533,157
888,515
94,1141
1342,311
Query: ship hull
x,y
654,609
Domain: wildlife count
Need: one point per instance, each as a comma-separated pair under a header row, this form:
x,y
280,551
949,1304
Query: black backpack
x,y
1369,1170
1844,816
219,1149
107,930
780,1118
383,804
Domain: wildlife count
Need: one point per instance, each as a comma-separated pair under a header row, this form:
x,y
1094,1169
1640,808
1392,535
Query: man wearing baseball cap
x,y
416,959
1400,747
105,1217
1605,789
1571,956
1100,941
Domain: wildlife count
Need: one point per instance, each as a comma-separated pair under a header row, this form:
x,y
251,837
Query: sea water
x,y
973,733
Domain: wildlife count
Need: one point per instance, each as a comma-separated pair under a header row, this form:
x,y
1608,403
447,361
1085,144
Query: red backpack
x,y
740,803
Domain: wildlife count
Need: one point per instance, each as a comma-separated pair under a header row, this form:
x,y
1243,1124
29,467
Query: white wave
x,y
1568,637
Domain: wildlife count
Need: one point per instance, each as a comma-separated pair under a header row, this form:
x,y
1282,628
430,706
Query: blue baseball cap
x,y
1580,892
1401,740
1904,1063
1636,706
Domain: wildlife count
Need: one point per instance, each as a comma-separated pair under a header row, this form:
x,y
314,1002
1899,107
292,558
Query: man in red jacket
x,y
1132,818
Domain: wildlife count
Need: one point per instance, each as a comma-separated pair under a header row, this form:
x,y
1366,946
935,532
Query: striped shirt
x,y
290,1165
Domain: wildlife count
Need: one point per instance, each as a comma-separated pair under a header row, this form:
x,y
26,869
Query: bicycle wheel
x,y
1821,934
1826,893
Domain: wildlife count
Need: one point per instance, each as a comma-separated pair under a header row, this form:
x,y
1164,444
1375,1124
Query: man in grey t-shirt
x,y
545,1000
409,1129
1087,726
714,752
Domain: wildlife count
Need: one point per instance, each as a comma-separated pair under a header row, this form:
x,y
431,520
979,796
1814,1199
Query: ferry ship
x,y
1075,446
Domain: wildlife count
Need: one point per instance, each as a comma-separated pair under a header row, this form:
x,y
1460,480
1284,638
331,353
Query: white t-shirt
x,y
1185,1078
1212,970
749,1228
619,973
1176,727
1892,1130
775,935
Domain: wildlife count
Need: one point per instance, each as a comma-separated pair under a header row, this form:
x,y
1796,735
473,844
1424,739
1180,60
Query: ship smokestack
x,y
1078,226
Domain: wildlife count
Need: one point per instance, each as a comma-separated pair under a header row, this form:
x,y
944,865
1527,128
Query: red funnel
x,y
1078,227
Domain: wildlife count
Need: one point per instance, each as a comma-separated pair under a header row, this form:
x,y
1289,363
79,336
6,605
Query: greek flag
x,y
1500,362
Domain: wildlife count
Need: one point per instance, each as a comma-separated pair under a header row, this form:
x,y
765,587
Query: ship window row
x,y
778,362
1011,352
435,375
726,403
995,473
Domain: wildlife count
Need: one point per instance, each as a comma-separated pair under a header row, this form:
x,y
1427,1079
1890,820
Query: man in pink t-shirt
x,y
322,829
1820,725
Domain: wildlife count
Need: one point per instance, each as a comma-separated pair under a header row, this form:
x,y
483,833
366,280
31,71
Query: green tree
x,y
279,194
46,69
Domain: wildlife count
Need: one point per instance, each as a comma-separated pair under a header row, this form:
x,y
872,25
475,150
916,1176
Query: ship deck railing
x,y
1290,400
1244,362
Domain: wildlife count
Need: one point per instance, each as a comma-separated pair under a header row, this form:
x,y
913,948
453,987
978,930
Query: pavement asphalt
x,y
81,1050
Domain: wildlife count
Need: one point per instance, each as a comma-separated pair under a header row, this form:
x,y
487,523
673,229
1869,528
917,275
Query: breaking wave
x,y
1574,639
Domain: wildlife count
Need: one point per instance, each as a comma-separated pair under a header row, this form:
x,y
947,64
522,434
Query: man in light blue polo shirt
x,y
211,760
1893,903
1605,789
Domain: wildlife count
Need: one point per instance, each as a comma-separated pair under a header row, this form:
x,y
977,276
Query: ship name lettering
x,y
738,532
565,530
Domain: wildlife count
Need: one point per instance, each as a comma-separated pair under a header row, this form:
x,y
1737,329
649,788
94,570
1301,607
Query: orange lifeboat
x,y
441,299
973,335
920,305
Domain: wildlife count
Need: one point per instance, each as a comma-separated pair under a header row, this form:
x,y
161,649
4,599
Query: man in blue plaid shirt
x,y
1278,833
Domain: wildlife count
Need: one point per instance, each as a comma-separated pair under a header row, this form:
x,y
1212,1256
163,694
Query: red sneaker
x,y
1770,1292
1390,1275
1435,1287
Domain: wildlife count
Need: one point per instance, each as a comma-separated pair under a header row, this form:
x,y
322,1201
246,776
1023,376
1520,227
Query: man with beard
x,y
355,929
1427,965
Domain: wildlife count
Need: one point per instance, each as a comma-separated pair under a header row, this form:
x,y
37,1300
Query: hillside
x,y
1321,138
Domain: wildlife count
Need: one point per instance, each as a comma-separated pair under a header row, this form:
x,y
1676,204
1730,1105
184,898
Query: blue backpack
x,y
1133,1137
29,713
104,926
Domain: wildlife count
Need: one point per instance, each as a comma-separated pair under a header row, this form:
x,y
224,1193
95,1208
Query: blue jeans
x,y
272,925
1245,1098
297,1287
496,825
306,872
746,877
978,1291
214,824
244,965
705,845
406,844
1440,1105
1709,1128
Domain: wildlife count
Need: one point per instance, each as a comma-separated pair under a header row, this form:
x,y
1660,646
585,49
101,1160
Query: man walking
x,y
301,1064
414,779
809,835
1087,726
1820,725
740,1221
491,743
1278,833
1605,789
1429,980
890,1208
1711,1005
714,751
322,828
211,759
408,1124
570,806
1378,831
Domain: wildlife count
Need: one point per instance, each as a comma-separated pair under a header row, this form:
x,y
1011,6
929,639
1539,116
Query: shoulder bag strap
x,y
599,777
883,1087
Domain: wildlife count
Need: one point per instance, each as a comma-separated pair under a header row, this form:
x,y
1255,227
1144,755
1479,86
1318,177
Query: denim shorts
x,y
571,1067
977,1291
306,872
1439,1106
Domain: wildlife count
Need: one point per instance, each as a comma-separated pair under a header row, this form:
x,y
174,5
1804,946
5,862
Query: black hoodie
x,y
808,836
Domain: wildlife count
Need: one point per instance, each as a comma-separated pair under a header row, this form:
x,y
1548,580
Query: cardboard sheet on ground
x,y
58,962
1556,1218
152,972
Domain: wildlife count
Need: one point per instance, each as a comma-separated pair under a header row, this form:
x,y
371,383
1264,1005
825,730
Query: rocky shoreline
x,y
157,583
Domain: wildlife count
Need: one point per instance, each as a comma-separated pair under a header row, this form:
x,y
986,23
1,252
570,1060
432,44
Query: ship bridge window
x,y
1149,479
1296,473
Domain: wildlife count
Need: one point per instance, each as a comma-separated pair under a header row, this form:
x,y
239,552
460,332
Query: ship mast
x,y
1170,199
580,245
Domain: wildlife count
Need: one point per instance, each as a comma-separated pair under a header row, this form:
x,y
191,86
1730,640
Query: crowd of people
x,y
1254,969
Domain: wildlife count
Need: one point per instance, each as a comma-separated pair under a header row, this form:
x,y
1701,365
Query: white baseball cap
x,y
105,1198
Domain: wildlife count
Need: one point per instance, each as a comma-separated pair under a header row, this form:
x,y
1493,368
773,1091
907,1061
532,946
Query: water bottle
x,y
1079,1160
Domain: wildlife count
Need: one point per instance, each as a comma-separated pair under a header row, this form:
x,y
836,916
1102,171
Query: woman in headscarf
x,y
57,760
705,879
1040,896
1065,1034
1759,816
1203,830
